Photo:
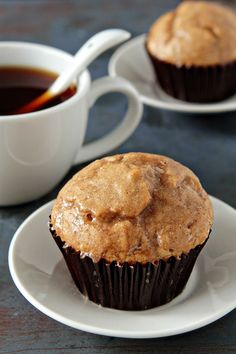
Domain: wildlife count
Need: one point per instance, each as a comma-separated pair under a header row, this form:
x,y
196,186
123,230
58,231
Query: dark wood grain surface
x,y
206,144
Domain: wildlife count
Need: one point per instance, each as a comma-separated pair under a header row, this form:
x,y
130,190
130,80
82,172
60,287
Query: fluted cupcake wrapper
x,y
129,287
196,84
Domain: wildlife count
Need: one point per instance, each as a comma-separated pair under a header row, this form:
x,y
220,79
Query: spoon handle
x,y
85,55
96,45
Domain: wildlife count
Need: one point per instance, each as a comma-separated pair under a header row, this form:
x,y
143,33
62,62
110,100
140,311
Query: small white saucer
x,y
39,272
131,62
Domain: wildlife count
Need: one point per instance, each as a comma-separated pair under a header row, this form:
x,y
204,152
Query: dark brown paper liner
x,y
196,84
129,287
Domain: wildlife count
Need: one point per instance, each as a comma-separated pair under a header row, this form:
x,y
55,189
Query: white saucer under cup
x,y
40,273
131,62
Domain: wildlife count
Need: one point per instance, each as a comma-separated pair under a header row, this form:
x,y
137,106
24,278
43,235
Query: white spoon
x,y
96,45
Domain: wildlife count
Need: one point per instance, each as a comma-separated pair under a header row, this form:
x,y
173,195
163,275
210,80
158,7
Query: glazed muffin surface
x,y
197,33
134,207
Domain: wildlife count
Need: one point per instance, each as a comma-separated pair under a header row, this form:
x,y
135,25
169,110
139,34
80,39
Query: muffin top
x,y
134,207
197,33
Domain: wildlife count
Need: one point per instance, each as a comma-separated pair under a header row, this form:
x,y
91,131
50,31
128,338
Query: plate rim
x,y
176,105
93,328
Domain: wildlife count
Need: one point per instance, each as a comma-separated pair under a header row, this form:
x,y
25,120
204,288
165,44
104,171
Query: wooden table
x,y
206,144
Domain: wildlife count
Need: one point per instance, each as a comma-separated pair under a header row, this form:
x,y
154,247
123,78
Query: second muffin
x,y
193,51
130,228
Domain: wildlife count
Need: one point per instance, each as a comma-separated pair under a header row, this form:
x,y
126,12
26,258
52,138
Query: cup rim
x,y
83,81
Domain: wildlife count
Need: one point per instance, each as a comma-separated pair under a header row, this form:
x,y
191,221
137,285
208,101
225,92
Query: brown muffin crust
x,y
134,207
197,33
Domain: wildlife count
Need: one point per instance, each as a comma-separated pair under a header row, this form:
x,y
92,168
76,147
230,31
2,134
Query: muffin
x,y
130,228
193,51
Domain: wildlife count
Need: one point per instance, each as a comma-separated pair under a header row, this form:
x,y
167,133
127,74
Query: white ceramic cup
x,y
37,149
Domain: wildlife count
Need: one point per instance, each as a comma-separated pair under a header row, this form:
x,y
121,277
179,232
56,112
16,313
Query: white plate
x,y
131,62
39,272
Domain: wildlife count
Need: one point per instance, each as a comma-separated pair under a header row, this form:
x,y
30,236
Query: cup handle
x,y
124,129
